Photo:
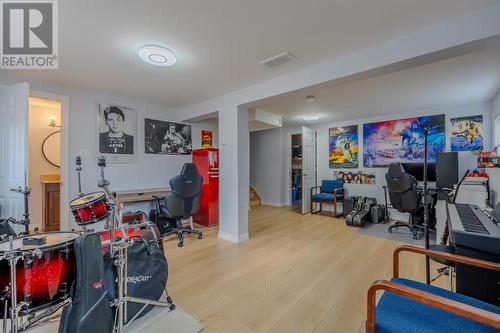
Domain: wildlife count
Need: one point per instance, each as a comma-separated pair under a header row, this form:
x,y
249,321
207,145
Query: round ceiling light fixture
x,y
310,117
157,55
310,98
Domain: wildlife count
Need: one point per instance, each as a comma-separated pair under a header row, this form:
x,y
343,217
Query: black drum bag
x,y
147,274
90,310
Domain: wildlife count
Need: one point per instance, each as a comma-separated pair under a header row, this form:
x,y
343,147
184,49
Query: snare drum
x,y
47,279
90,208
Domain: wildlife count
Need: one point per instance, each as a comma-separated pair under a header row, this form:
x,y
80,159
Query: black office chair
x,y
405,198
181,203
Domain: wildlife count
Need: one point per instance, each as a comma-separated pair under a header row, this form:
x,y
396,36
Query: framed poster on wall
x,y
167,138
343,147
117,126
402,140
467,133
206,139
356,177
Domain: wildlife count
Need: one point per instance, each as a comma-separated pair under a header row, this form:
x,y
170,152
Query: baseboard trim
x,y
233,238
271,203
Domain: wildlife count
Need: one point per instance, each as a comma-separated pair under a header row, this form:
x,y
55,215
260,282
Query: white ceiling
x,y
219,43
470,78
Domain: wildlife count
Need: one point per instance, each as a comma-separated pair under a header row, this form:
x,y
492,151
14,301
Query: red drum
x,y
90,208
45,280
150,234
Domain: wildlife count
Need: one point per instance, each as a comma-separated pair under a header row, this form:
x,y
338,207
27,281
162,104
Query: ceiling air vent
x,y
279,60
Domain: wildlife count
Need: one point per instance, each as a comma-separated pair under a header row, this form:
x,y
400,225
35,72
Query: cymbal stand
x,y
78,169
118,249
25,191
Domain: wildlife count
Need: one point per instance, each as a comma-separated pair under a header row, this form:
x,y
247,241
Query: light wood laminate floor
x,y
295,274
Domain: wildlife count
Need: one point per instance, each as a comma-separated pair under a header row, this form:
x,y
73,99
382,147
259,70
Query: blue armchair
x,y
409,306
330,192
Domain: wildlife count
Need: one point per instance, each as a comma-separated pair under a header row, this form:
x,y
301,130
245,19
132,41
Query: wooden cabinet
x,y
51,190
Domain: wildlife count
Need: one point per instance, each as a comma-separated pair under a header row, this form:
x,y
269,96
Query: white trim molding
x,y
272,203
234,238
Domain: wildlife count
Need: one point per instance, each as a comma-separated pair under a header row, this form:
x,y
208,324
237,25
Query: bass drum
x,y
147,267
46,279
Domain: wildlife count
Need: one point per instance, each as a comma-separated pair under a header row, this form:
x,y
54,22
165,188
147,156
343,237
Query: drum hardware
x,y
35,240
78,163
44,316
36,304
12,256
118,250
25,191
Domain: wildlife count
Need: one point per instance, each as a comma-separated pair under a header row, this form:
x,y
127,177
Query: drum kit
x,y
38,270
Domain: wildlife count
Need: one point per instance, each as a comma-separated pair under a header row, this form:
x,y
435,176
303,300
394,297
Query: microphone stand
x,y
426,208
78,163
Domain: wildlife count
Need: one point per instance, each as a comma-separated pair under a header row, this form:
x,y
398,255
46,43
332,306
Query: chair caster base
x,y
180,244
200,236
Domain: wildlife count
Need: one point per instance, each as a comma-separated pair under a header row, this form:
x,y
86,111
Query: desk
x,y
138,196
141,195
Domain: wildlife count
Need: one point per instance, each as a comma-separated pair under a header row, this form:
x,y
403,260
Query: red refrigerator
x,y
207,162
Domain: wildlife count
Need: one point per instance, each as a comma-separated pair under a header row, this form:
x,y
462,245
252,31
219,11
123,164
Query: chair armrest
x,y
457,308
441,255
339,190
315,187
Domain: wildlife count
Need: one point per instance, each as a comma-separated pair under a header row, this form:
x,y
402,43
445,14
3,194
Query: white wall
x,y
324,171
494,174
39,118
496,123
149,171
269,151
267,165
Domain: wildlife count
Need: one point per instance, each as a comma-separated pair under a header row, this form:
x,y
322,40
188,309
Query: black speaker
x,y
446,170
349,203
377,213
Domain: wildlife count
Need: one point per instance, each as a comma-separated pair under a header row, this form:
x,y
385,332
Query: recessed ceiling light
x,y
310,117
157,55
310,98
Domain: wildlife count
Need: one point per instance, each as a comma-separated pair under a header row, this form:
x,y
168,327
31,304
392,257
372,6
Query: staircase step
x,y
255,203
254,198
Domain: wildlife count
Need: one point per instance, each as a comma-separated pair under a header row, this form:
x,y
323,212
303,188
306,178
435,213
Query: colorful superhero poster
x,y
467,133
206,139
343,143
356,177
402,140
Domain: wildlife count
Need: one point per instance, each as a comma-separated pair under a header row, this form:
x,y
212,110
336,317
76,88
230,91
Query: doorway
x,y
44,163
296,172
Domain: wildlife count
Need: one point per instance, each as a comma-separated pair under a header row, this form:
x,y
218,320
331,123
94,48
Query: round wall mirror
x,y
51,149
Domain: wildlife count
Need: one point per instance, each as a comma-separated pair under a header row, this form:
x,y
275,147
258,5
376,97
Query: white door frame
x,y
65,158
288,183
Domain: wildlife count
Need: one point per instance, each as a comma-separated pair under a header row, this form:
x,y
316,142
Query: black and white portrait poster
x,y
163,137
117,131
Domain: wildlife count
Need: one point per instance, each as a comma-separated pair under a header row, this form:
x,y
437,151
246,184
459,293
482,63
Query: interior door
x,y
308,167
13,148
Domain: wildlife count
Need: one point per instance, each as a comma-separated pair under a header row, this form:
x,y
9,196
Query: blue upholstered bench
x,y
409,306
330,192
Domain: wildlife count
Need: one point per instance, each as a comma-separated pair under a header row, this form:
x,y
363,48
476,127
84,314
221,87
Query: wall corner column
x,y
234,174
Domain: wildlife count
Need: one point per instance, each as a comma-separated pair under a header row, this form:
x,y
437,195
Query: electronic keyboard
x,y
469,226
